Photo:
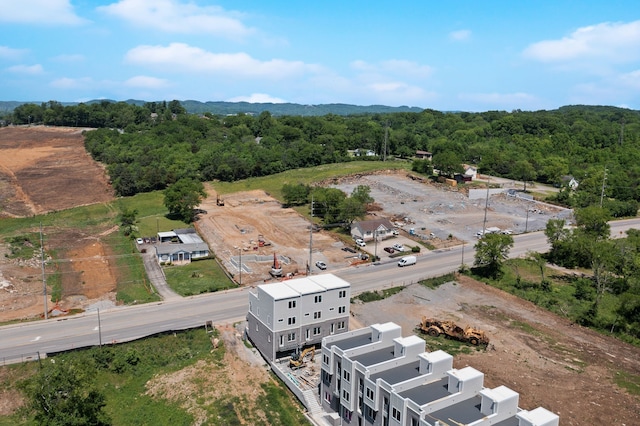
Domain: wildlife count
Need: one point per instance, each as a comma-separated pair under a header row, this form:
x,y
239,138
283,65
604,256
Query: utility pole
x,y
240,266
99,329
604,180
386,138
486,206
311,240
44,279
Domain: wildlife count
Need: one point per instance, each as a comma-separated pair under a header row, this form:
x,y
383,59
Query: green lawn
x,y
197,277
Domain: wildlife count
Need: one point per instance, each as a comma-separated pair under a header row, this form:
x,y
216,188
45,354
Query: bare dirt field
x,y
549,361
44,169
246,217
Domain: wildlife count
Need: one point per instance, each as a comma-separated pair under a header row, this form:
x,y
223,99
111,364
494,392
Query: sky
x,y
444,55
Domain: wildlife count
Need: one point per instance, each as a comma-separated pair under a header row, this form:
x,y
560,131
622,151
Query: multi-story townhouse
x,y
374,376
287,316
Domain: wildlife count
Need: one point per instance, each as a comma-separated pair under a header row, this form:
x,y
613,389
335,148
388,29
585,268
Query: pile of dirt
x,y
549,361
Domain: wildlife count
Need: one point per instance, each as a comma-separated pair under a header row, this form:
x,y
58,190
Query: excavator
x,y
299,359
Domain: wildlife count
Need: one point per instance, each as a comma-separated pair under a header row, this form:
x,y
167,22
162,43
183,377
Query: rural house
x,y
288,316
369,229
180,246
424,155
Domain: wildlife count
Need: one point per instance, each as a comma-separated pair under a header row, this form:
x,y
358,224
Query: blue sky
x,y
445,55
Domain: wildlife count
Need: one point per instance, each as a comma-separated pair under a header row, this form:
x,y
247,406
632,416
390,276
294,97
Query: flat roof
x,y
167,234
304,286
463,412
329,281
279,291
511,421
352,342
375,357
428,392
399,373
190,238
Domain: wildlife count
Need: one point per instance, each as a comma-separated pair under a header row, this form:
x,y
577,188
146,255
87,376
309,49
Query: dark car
x,y
349,249
389,249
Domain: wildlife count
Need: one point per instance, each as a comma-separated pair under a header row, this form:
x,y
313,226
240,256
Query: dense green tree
x,y
295,194
594,221
65,394
351,209
362,194
491,252
128,221
182,197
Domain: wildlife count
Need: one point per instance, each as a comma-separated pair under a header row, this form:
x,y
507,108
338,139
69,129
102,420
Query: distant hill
x,y
225,108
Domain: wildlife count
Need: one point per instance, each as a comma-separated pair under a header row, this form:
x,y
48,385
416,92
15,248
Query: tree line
x,y
150,146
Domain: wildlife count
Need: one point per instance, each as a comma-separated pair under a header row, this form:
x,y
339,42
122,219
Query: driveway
x,y
156,275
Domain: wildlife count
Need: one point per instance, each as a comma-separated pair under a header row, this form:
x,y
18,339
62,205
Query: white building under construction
x,y
291,315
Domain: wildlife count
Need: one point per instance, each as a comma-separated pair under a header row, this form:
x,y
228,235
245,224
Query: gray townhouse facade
x,y
374,376
288,316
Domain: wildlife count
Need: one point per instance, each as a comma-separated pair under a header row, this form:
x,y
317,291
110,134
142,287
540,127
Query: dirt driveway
x,y
551,362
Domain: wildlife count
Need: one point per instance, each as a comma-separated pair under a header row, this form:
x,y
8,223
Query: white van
x,y
407,260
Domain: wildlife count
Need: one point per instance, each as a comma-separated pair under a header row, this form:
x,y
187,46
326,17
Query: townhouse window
x,y
345,395
340,325
317,315
327,396
291,320
370,393
308,334
318,299
395,413
291,337
317,331
325,359
342,309
414,421
347,376
282,340
342,294
292,304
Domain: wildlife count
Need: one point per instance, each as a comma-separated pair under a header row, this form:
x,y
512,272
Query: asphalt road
x,y
19,342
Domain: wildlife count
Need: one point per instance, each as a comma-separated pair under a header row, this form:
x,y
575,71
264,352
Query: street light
x,y
375,245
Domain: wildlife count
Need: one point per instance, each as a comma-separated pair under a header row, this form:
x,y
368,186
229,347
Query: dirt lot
x,y
237,226
566,368
45,169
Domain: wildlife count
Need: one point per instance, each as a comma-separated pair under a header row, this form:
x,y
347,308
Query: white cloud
x,y
72,83
70,58
27,69
256,98
9,53
397,67
176,17
631,79
182,57
615,42
46,12
460,35
142,81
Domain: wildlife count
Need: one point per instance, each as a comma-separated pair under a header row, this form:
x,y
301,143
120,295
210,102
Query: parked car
x,y
139,241
349,249
360,242
398,247
389,249
321,265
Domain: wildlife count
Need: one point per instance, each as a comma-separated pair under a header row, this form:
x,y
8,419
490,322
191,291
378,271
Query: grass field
x,y
197,277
